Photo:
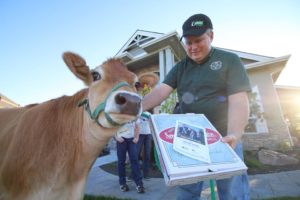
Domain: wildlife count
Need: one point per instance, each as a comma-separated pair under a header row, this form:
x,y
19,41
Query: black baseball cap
x,y
196,25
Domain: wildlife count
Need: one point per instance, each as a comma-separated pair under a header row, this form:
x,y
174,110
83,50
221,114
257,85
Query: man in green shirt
x,y
213,82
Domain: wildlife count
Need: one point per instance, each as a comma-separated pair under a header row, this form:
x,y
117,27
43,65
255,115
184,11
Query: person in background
x,y
144,143
127,138
213,82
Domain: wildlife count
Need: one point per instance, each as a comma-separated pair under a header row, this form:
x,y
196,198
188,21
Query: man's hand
x,y
119,139
232,140
135,140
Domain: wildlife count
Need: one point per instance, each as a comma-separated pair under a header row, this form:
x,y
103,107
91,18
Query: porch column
x,y
166,62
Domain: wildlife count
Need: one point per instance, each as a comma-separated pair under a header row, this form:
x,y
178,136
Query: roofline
x,y
138,30
268,62
7,100
246,55
160,39
152,42
261,60
243,52
287,87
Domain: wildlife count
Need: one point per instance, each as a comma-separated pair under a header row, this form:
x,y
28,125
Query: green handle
x,y
212,189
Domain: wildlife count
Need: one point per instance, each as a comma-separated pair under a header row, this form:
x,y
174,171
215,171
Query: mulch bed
x,y
154,172
273,169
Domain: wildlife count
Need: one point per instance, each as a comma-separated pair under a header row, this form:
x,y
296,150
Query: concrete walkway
x,y
100,182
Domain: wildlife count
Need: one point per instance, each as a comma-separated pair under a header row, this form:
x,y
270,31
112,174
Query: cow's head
x,y
112,99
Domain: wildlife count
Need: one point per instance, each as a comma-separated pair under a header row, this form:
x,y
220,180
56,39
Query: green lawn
x,y
89,197
283,198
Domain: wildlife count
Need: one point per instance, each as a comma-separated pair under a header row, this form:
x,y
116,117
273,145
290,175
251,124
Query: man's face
x,y
198,47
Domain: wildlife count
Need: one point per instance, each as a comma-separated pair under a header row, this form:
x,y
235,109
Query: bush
x,y
251,160
285,146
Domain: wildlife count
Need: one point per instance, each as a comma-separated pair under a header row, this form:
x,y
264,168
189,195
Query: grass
x,y
90,197
283,198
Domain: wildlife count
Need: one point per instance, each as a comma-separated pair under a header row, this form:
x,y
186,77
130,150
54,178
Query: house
x,y
6,102
151,52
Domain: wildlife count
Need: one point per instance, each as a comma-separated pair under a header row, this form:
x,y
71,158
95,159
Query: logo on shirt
x,y
216,65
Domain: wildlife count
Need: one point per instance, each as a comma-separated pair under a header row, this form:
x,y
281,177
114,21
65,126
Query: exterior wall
x,y
278,130
269,141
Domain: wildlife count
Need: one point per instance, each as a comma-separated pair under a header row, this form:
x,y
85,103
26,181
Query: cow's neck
x,y
96,136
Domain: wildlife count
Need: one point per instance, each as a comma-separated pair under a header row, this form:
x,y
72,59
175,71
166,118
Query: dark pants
x,y
145,141
128,146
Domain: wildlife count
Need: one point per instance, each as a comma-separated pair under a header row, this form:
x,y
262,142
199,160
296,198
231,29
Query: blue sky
x,y
35,33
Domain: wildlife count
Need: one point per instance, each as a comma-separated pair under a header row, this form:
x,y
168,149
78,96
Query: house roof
x,y
143,47
144,43
138,38
7,101
250,56
285,87
270,61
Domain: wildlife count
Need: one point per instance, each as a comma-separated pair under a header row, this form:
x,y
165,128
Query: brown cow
x,y
47,150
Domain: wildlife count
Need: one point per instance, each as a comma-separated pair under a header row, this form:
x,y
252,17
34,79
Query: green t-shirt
x,y
204,88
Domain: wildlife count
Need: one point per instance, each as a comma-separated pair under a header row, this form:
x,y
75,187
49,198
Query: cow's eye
x,y
96,75
138,85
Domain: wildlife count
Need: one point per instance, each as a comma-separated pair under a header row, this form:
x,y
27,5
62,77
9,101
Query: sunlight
x,y
290,75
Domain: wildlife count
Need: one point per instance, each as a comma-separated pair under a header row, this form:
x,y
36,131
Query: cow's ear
x,y
78,67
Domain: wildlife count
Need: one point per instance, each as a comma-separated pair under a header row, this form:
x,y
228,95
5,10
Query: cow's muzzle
x,y
128,103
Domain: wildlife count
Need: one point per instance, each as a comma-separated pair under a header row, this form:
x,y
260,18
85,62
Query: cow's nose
x,y
128,103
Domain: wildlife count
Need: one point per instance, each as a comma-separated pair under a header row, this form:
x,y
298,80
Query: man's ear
x,y
78,67
211,36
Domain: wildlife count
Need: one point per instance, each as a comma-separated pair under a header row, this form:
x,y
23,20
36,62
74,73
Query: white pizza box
x,y
179,169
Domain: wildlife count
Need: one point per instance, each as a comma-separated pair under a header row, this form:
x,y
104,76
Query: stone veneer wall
x,y
270,140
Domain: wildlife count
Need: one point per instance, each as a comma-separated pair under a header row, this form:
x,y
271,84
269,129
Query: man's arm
x,y
238,113
156,96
